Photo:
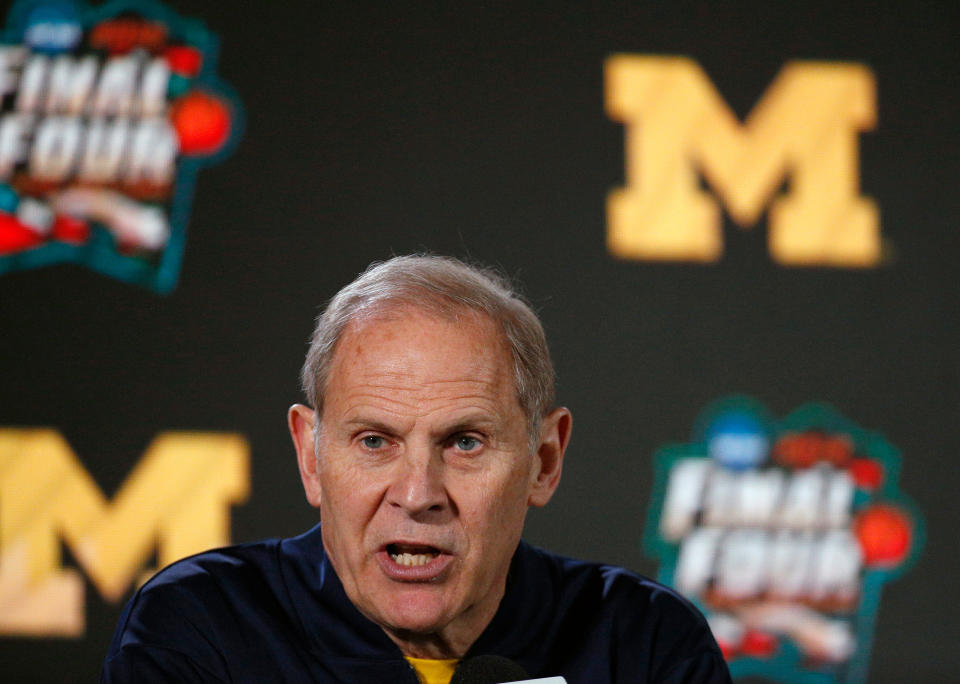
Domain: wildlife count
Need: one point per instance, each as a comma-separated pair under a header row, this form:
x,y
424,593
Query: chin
x,y
417,614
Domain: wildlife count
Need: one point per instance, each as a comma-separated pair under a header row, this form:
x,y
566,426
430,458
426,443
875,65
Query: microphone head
x,y
488,669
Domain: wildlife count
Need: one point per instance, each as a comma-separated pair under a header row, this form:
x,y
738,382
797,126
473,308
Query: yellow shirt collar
x,y
433,671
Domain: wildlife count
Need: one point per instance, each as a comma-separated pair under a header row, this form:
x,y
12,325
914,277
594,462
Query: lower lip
x,y
413,573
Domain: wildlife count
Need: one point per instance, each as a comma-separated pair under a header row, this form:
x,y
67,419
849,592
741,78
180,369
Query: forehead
x,y
412,349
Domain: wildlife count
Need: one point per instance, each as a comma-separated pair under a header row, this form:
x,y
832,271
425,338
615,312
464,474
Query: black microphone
x,y
488,669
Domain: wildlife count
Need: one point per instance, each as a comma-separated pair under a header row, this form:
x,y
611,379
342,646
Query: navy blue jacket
x,y
275,611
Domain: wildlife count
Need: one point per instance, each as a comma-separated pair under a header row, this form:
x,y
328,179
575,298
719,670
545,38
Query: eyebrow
x,y
370,424
467,423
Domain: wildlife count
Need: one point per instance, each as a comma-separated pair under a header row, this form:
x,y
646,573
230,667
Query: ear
x,y
300,420
548,457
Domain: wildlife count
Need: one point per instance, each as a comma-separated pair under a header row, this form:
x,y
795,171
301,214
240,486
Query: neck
x,y
430,646
452,640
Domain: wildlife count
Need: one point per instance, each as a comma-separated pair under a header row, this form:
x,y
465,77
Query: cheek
x,y
498,506
349,499
347,511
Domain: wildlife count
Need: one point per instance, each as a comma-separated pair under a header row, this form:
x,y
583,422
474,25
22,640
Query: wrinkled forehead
x,y
483,349
428,314
475,334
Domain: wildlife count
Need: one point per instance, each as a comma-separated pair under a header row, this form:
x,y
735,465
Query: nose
x,y
418,488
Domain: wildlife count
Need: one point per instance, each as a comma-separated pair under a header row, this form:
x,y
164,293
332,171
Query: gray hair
x,y
444,287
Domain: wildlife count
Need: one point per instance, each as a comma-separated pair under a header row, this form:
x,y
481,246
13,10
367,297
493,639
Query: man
x,y
432,431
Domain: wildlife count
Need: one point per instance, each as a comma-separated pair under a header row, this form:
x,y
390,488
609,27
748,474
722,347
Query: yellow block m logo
x,y
804,127
176,501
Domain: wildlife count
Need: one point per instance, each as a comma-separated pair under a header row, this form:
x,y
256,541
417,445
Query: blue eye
x,y
373,442
467,443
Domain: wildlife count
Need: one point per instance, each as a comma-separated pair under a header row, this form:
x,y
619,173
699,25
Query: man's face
x,y
424,472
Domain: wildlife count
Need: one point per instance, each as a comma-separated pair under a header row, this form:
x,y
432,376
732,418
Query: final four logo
x,y
783,532
108,112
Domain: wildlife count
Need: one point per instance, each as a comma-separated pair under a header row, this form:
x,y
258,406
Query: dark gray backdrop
x,y
478,130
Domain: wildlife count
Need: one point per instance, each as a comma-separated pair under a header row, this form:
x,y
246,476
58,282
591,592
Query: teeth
x,y
412,559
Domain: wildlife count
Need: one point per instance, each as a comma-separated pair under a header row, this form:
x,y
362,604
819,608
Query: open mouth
x,y
411,556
